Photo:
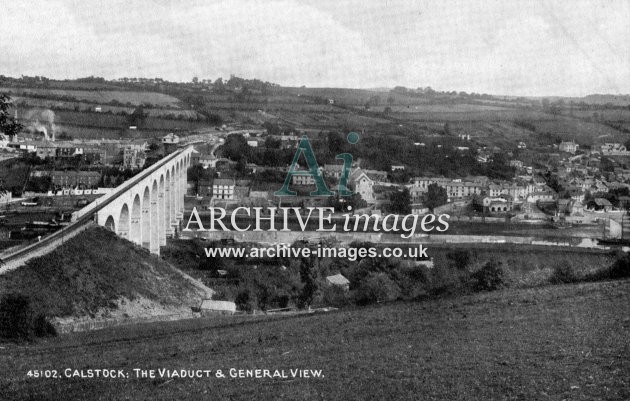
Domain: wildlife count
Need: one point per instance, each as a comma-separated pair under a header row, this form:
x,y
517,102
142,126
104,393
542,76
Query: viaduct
x,y
145,209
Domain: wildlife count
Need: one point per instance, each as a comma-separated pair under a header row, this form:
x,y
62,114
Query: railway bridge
x,y
145,210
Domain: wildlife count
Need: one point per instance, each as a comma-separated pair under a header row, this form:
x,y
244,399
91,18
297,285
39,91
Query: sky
x,y
503,47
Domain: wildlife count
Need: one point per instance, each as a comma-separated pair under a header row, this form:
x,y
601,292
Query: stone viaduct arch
x,y
148,208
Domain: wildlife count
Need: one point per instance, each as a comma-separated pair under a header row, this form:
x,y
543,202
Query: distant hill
x,y
97,274
617,100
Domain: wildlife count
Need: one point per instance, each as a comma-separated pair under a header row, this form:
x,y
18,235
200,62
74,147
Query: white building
x,y
569,147
223,189
170,139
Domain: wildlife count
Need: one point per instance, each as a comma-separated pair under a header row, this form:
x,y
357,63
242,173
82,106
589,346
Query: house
x,y
209,306
339,280
544,196
68,149
170,139
333,170
5,196
46,149
302,180
207,161
569,207
252,143
133,158
624,201
363,185
399,167
600,204
205,188
569,147
73,179
94,154
139,144
516,163
614,149
4,141
427,263
241,192
223,189
419,209
497,205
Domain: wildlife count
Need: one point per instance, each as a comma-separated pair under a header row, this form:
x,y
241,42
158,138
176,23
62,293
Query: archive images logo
x,y
304,147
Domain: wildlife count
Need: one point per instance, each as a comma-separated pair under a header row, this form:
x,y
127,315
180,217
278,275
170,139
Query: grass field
x,y
550,343
104,96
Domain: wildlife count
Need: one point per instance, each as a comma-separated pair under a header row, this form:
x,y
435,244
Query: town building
x,y
223,188
133,158
73,179
614,149
170,139
569,147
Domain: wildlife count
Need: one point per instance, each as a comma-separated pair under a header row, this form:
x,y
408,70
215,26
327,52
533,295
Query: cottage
x,y
339,280
600,204
170,139
209,306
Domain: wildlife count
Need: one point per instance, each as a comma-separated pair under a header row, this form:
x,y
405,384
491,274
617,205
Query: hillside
x,y
557,342
97,274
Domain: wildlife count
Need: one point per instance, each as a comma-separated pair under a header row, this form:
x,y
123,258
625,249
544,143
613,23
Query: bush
x,y
460,258
621,268
18,320
42,327
245,300
377,287
16,317
336,296
490,277
563,274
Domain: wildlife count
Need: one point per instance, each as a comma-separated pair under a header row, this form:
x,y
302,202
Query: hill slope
x,y
99,274
557,342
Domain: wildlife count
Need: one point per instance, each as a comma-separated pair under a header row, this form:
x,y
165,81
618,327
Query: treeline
x,y
272,283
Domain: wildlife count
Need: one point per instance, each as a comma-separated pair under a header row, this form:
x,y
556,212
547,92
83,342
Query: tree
x,y
435,196
138,116
308,276
8,123
490,277
401,202
377,287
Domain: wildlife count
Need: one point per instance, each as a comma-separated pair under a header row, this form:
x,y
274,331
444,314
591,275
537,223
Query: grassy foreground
x,y
556,342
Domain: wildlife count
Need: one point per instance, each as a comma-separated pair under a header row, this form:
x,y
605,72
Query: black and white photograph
x,y
315,200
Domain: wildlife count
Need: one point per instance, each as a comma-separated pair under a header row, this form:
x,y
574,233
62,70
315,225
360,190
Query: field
x,y
489,121
556,343
102,96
